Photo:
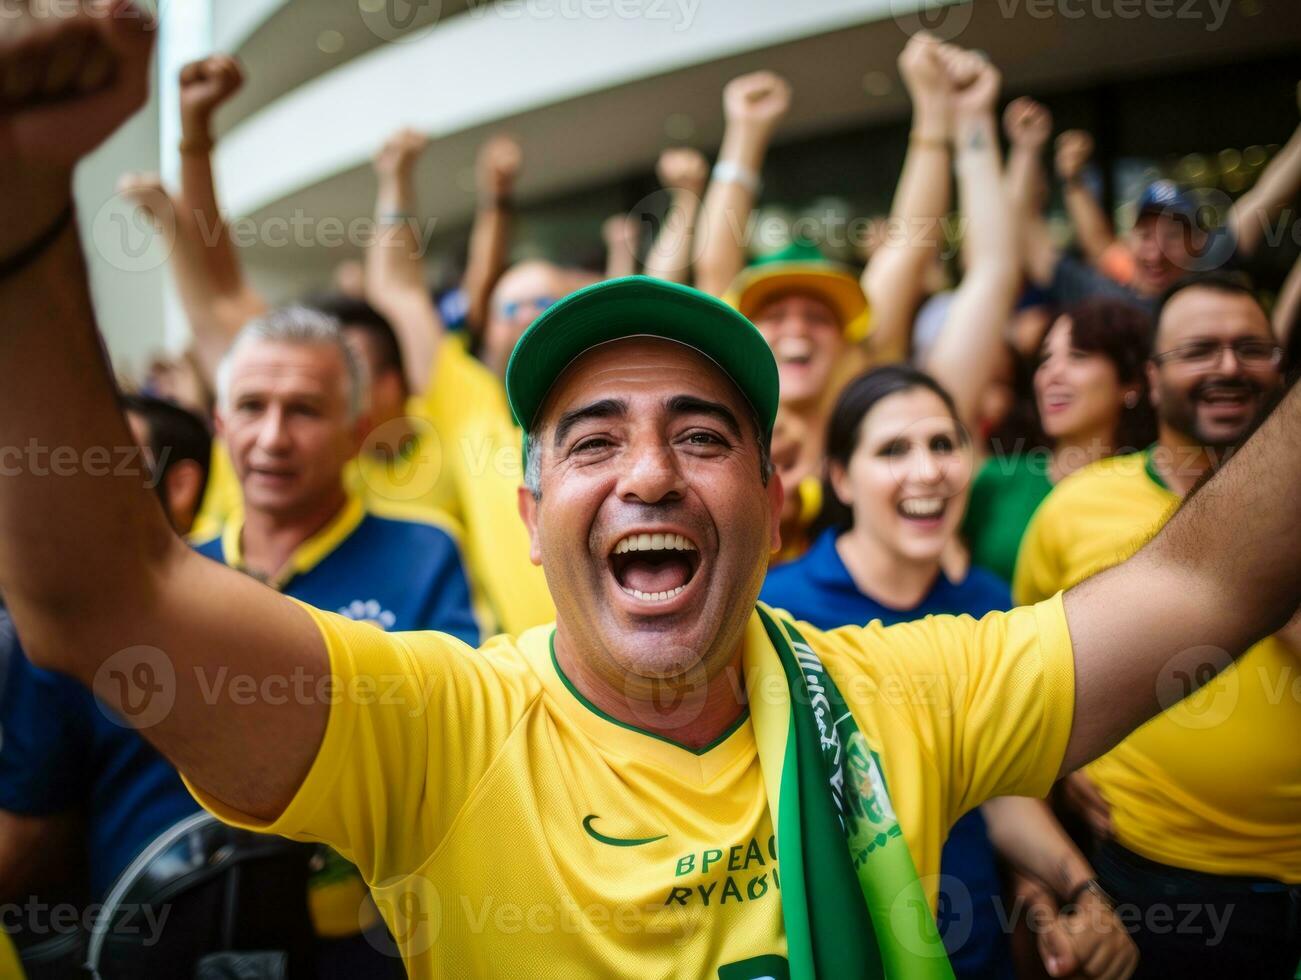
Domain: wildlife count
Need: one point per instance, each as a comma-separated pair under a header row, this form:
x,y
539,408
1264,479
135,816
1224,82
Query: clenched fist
x,y
498,166
398,156
1027,123
683,169
205,85
1074,148
760,99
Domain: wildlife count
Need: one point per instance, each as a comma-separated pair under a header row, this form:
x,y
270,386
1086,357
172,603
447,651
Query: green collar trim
x,y
581,699
1149,467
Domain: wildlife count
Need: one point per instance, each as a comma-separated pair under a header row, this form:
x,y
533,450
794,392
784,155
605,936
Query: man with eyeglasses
x,y
1197,815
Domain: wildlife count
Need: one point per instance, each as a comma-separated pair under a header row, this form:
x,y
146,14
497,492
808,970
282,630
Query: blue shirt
x,y
60,749
818,588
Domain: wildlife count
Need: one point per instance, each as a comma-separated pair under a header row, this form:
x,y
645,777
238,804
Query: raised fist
x,y
760,98
205,85
1027,123
72,74
398,156
683,169
974,79
919,66
498,165
1074,149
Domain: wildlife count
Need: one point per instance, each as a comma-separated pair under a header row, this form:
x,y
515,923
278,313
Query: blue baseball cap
x,y
1166,197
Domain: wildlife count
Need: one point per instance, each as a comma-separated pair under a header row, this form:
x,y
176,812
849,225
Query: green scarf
x,y
851,900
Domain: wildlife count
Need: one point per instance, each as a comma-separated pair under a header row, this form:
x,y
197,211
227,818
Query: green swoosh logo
x,y
616,841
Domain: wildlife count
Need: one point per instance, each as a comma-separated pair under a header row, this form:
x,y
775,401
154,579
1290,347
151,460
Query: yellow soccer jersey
x,y
466,404
1213,784
504,822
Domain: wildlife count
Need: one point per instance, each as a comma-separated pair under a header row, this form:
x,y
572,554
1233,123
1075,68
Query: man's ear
x,y
1153,385
183,489
358,432
528,511
776,497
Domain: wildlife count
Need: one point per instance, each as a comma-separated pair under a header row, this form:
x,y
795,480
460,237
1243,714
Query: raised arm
x,y
98,584
496,171
1092,229
620,233
395,268
1251,214
1028,124
1288,305
683,172
210,281
964,356
1222,574
753,106
895,278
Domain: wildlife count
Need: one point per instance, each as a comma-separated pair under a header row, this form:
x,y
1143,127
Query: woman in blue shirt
x,y
898,471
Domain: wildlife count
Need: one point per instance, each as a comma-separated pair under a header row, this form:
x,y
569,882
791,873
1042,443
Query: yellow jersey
x,y
503,821
481,453
1214,783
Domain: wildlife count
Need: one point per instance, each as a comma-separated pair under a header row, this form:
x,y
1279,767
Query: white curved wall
x,y
542,52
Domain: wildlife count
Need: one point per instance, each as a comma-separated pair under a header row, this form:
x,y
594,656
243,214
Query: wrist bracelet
x,y
29,253
396,217
1091,886
727,172
928,142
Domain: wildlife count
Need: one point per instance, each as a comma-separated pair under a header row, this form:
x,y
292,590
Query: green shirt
x,y
1004,496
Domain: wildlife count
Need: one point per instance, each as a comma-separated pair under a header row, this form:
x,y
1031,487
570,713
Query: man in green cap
x,y
670,781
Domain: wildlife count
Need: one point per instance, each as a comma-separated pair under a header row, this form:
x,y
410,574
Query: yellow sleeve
x,y
416,720
991,700
1038,571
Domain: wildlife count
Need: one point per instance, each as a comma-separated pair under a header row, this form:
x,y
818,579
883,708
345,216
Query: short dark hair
x,y
357,314
843,431
174,433
1123,334
1220,280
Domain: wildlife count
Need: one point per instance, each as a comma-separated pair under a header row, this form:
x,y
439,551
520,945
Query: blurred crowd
x,y
952,438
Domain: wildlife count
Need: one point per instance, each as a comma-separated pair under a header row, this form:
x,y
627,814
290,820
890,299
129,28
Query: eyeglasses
x,y
539,304
1207,353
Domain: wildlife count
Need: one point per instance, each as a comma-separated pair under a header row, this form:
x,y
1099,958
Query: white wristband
x,y
726,172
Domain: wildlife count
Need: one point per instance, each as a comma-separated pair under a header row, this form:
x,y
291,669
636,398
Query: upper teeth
x,y
653,542
922,506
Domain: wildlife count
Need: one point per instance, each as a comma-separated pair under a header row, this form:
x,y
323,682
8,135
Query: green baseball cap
x,y
639,306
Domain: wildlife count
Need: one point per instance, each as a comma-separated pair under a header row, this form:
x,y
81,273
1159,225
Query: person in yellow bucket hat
x,y
815,317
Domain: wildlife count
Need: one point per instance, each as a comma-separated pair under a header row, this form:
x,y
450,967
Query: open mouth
x,y
794,350
654,567
924,510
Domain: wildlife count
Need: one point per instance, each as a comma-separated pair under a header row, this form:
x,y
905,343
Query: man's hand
x,y
1074,149
397,158
923,74
497,168
758,100
1027,123
1082,796
683,169
205,85
1085,941
72,76
974,79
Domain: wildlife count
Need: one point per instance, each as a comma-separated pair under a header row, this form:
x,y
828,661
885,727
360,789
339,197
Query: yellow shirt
x,y
1213,784
504,822
481,449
